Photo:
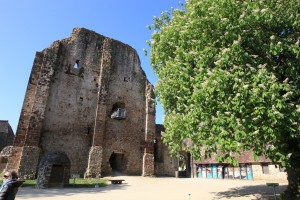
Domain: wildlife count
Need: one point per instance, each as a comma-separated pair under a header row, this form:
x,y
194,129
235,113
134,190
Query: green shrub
x,y
81,182
77,182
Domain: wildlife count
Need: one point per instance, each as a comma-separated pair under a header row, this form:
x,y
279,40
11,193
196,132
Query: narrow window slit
x,y
76,65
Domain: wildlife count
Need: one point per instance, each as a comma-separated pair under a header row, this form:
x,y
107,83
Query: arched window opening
x,y
118,111
76,65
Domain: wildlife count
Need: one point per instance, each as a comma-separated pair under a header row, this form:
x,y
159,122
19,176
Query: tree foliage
x,y
229,77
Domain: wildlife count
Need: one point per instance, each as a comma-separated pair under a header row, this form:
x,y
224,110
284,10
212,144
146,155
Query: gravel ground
x,y
146,188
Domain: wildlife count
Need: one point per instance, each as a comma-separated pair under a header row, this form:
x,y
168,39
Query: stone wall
x,y
6,140
274,174
165,165
4,155
6,134
29,161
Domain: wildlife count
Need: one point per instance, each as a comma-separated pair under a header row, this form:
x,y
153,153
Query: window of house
x,y
265,168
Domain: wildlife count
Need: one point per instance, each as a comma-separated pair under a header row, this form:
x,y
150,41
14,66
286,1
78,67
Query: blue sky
x,y
28,26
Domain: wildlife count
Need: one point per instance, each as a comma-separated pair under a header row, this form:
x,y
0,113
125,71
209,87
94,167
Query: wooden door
x,y
57,175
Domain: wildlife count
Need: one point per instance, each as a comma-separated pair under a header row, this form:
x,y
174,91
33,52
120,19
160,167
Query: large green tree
x,y
229,79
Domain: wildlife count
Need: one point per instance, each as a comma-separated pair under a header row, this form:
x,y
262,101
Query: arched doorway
x,y
54,170
56,175
117,163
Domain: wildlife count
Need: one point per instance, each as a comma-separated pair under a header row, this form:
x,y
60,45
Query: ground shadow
x,y
30,192
259,191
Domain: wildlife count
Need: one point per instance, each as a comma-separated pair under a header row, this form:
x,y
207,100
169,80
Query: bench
x,y
116,181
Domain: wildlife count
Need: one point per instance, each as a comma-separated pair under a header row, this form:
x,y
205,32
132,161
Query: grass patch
x,y
77,182
29,183
81,182
1,177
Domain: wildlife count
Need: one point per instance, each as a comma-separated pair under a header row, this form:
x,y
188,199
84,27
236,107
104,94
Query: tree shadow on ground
x,y
30,192
262,192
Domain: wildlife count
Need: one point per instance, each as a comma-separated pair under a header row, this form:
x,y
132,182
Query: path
x,y
145,188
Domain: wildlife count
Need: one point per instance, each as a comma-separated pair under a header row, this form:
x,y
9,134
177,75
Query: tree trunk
x,y
293,190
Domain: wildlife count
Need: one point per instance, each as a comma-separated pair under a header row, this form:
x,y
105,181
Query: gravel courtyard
x,y
144,188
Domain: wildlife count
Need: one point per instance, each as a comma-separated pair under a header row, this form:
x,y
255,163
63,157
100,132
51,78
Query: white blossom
x,y
273,96
224,19
242,15
246,86
287,94
217,62
209,72
262,86
204,84
262,66
235,42
263,10
273,77
225,50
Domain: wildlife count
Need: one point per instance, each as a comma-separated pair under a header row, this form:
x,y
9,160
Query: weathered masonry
x,y
88,111
6,134
6,140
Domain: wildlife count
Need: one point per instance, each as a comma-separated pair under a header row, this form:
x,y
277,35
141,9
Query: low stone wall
x,y
4,155
168,166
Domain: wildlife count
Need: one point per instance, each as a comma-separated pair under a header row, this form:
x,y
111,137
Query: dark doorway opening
x,y
56,176
117,163
54,170
188,164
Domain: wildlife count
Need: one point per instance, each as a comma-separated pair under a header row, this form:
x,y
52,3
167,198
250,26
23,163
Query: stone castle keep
x,y
89,111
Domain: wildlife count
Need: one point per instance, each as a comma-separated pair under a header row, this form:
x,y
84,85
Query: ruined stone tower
x,y
6,134
88,110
